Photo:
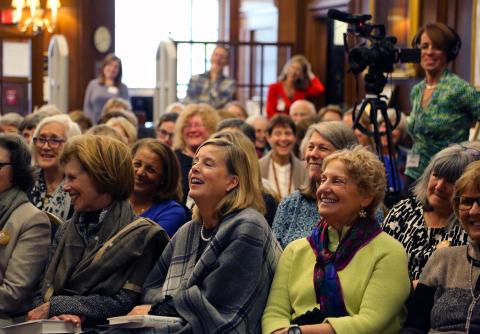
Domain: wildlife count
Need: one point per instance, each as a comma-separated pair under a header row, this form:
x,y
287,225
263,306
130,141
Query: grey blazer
x,y
23,258
299,169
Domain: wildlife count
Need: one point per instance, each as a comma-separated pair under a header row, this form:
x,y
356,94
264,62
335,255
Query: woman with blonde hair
x,y
216,271
347,276
107,85
296,82
194,125
124,128
242,141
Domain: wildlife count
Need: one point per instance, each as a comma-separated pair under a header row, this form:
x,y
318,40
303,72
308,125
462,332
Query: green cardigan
x,y
375,285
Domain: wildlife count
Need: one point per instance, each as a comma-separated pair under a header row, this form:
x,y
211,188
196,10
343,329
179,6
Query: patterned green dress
x,y
452,110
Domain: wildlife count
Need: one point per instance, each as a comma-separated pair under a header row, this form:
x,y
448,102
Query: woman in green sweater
x,y
348,276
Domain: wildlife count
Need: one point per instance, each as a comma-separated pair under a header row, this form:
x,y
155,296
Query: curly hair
x,y
209,118
366,170
469,181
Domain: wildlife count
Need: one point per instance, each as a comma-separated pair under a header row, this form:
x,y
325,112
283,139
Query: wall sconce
x,y
28,14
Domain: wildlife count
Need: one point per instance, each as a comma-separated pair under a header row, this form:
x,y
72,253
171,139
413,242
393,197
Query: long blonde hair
x,y
248,192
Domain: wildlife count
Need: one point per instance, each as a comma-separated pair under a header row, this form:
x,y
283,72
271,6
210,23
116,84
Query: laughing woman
x,y
100,258
194,125
347,276
446,299
157,190
216,271
280,166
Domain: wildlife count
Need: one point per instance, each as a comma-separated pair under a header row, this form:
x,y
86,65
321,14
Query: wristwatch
x,y
294,329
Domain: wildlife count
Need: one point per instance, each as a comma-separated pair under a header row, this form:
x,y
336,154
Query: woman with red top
x,y
296,82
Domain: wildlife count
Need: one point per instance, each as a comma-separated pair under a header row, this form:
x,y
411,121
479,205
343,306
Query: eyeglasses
x,y
52,141
3,164
164,133
426,46
466,203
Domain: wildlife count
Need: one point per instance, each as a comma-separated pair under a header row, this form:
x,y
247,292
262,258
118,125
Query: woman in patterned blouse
x,y
48,141
426,221
440,103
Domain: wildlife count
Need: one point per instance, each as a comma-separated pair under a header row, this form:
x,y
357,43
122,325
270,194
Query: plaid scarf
x,y
325,278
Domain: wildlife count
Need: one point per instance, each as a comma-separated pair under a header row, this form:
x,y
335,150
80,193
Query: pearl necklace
x,y
427,86
474,299
201,235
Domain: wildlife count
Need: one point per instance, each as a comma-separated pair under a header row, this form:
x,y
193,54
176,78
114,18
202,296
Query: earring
x,y
362,213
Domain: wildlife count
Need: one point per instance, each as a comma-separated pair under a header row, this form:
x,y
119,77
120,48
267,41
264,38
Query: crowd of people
x,y
241,223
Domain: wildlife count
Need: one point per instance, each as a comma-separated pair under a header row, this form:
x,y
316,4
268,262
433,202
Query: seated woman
x,y
446,299
246,145
157,190
426,222
100,258
216,271
347,276
280,166
297,214
24,235
194,125
49,139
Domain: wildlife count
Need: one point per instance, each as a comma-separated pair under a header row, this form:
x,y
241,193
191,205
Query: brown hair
x,y
106,160
443,37
170,185
111,57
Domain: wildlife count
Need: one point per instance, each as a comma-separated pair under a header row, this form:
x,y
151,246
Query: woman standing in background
x,y
107,85
296,82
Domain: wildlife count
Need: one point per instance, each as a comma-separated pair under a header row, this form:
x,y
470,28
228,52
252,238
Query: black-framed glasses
x,y
53,142
164,133
3,164
465,203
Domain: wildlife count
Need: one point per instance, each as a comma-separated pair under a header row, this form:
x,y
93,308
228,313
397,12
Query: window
x,y
140,25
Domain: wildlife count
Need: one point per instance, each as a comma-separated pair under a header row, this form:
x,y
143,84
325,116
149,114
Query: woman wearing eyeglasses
x,y
48,140
24,232
347,276
194,125
426,221
444,107
447,298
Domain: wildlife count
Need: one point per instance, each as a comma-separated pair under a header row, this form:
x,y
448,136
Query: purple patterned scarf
x,y
325,278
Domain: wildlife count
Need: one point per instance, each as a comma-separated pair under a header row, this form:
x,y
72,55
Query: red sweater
x,y
276,95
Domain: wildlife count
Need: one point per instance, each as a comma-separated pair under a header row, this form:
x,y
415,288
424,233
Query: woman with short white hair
x,y
47,145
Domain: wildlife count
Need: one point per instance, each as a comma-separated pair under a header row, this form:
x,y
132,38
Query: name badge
x,y
112,90
281,105
413,160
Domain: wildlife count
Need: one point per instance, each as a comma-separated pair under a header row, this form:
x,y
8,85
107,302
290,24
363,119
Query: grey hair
x,y
336,133
309,106
449,163
71,128
11,118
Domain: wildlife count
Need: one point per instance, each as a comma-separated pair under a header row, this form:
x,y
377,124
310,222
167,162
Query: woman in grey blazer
x,y
24,232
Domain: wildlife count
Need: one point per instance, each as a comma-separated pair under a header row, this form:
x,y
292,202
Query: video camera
x,y
380,57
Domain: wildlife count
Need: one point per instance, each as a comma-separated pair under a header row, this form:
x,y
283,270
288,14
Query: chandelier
x,y
28,14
